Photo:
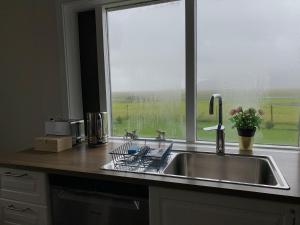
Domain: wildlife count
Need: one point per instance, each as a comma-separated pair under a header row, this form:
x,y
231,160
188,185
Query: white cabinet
x,y
20,213
23,197
177,207
23,185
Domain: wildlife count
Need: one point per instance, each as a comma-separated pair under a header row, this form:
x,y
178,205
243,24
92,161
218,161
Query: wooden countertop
x,y
83,161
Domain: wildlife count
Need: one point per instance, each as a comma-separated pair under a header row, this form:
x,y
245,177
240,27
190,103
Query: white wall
x,y
30,84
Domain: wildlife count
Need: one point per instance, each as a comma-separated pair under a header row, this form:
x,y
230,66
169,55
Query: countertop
x,y
83,161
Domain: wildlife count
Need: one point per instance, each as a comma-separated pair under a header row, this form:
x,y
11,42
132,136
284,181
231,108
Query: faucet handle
x,y
217,127
161,135
131,135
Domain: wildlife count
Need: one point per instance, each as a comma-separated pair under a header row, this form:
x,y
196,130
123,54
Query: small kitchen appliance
x,y
97,128
64,127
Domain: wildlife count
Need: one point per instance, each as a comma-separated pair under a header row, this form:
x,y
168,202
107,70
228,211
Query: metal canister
x,y
97,128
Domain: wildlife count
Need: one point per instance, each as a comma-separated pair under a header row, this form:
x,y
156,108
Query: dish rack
x,y
142,160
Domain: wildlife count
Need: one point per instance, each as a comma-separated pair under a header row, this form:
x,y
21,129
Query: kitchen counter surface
x,y
83,161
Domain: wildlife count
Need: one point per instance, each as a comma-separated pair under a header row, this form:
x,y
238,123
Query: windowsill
x,y
230,144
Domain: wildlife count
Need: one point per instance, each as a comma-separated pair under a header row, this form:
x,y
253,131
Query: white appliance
x,y
60,127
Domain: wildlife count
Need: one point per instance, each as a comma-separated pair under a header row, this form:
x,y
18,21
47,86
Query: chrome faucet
x,y
131,135
161,135
220,134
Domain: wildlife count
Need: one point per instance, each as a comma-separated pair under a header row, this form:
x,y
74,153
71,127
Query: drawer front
x,y
22,185
18,213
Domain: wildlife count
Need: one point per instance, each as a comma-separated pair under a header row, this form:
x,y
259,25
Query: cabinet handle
x,y
13,208
9,174
104,198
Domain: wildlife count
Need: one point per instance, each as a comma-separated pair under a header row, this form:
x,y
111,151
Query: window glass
x,y
250,53
147,69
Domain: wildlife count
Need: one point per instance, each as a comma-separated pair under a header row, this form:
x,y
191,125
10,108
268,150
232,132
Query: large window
x,y
247,51
250,53
147,69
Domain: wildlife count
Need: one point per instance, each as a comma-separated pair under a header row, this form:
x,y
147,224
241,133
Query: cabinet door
x,y
176,207
22,185
19,213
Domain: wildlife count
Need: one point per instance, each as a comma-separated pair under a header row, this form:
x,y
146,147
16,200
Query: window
x,y
250,53
247,51
147,69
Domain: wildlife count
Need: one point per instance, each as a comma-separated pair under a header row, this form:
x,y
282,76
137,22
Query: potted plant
x,y
246,122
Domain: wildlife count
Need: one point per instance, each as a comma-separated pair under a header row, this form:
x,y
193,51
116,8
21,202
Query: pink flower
x,y
232,112
239,109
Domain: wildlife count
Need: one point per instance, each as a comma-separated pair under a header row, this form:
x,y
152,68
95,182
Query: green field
x,y
146,113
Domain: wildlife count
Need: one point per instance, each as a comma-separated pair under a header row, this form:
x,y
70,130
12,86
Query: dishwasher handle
x,y
99,198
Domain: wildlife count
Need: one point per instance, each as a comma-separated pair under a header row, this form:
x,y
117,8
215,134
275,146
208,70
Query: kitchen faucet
x,y
220,135
161,135
131,135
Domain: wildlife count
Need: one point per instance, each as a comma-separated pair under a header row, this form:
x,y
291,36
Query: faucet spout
x,y
211,107
220,135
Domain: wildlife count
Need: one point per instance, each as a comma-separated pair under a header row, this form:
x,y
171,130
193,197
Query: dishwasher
x,y
80,201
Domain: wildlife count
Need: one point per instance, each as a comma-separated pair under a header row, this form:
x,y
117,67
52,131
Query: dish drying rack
x,y
142,160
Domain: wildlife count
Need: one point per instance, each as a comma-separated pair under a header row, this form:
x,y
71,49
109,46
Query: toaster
x,y
61,127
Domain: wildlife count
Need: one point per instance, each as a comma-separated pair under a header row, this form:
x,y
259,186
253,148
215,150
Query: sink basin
x,y
247,170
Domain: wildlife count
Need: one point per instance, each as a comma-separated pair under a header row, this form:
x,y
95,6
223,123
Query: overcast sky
x,y
242,44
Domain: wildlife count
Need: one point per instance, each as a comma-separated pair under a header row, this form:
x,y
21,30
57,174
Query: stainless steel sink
x,y
249,170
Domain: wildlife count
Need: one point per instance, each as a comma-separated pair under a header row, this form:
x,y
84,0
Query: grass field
x,y
146,112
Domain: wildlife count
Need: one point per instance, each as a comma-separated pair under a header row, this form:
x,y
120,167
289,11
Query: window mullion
x,y
191,69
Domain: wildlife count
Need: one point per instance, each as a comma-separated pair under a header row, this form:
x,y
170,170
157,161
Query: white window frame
x,y
191,57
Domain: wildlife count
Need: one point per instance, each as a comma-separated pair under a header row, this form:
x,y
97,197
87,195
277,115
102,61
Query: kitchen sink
x,y
249,170
253,170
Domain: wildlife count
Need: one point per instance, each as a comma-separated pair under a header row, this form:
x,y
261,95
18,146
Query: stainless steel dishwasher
x,y
77,201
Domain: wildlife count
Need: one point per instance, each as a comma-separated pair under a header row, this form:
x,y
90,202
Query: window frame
x,y
190,58
191,67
